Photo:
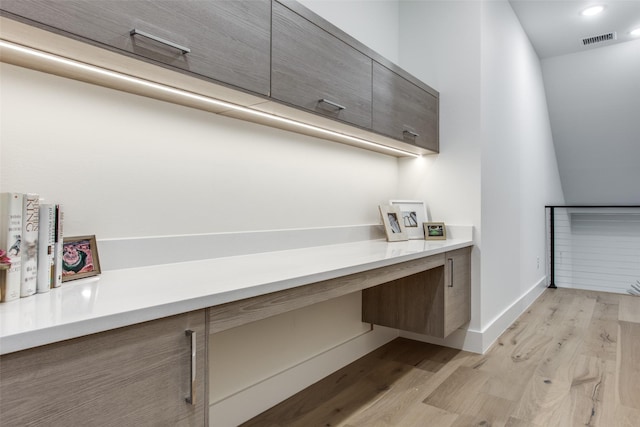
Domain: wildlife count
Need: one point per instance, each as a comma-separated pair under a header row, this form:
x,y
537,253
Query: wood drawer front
x,y
399,106
229,40
310,64
138,375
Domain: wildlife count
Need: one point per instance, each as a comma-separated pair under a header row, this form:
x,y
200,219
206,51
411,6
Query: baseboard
x,y
500,324
248,403
480,341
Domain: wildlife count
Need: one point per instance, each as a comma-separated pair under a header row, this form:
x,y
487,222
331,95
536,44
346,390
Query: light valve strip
x,y
190,95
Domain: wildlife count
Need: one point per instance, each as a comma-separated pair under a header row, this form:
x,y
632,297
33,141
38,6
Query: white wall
x,y
519,169
497,166
129,166
594,99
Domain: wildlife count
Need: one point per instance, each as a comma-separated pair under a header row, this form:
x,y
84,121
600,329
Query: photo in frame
x,y
414,214
80,258
435,231
393,224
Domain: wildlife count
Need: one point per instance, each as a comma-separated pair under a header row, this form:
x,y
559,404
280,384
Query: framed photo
x,y
414,213
435,231
79,258
393,225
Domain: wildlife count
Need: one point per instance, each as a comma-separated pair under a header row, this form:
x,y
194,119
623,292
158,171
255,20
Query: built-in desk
x,y
274,281
114,351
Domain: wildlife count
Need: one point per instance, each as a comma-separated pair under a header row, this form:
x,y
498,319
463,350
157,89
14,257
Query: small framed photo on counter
x,y
393,225
435,231
414,213
79,258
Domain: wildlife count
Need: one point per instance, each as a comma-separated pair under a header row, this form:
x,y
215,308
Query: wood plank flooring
x,y
572,359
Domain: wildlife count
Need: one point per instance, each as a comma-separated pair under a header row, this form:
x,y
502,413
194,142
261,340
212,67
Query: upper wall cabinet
x,y
315,70
404,111
228,41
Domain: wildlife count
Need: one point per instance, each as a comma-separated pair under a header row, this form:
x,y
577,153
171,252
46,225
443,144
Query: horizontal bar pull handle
x,y
410,133
333,104
191,399
450,261
165,42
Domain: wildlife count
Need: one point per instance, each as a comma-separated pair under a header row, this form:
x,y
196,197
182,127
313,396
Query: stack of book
x,y
31,236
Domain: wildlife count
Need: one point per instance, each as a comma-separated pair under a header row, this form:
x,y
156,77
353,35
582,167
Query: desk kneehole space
x,y
429,295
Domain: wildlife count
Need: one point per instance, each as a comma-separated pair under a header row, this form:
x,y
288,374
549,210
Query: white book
x,y
10,237
57,247
46,242
29,250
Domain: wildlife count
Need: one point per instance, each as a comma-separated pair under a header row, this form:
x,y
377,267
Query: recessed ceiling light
x,y
635,32
593,10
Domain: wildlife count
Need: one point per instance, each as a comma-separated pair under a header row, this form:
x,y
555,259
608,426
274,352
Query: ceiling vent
x,y
599,39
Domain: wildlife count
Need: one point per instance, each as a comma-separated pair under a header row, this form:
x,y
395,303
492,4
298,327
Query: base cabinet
x,y
434,302
133,376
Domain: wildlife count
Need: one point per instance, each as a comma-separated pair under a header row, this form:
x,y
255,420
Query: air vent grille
x,y
598,39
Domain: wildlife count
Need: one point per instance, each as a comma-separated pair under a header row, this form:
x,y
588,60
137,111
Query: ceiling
x,y
556,27
593,95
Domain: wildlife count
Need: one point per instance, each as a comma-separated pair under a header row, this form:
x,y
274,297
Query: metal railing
x,y
594,247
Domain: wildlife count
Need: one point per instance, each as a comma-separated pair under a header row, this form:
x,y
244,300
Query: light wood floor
x,y
573,359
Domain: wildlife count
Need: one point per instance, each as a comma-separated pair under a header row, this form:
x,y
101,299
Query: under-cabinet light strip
x,y
190,95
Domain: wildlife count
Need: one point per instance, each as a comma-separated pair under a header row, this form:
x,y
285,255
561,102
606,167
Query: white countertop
x,y
128,296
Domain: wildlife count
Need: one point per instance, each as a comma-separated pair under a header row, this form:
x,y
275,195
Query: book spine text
x,y
29,251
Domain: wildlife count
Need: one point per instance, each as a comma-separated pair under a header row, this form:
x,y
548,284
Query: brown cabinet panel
x,y
413,303
425,302
309,64
138,375
404,111
229,40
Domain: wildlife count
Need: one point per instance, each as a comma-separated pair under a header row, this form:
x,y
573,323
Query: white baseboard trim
x,y
480,341
500,324
256,399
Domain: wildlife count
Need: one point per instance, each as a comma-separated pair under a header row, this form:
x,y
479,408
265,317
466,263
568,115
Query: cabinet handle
x,y
450,260
410,133
191,399
333,104
165,42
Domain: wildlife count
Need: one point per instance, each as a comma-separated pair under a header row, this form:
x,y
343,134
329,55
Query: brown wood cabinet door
x,y
457,289
310,65
133,376
229,40
404,111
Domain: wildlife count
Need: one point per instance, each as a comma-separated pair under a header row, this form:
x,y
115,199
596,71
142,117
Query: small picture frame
x,y
393,225
435,231
79,258
414,213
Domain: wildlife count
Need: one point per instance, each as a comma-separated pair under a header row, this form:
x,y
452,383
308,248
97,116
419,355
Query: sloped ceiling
x,y
593,94
556,27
